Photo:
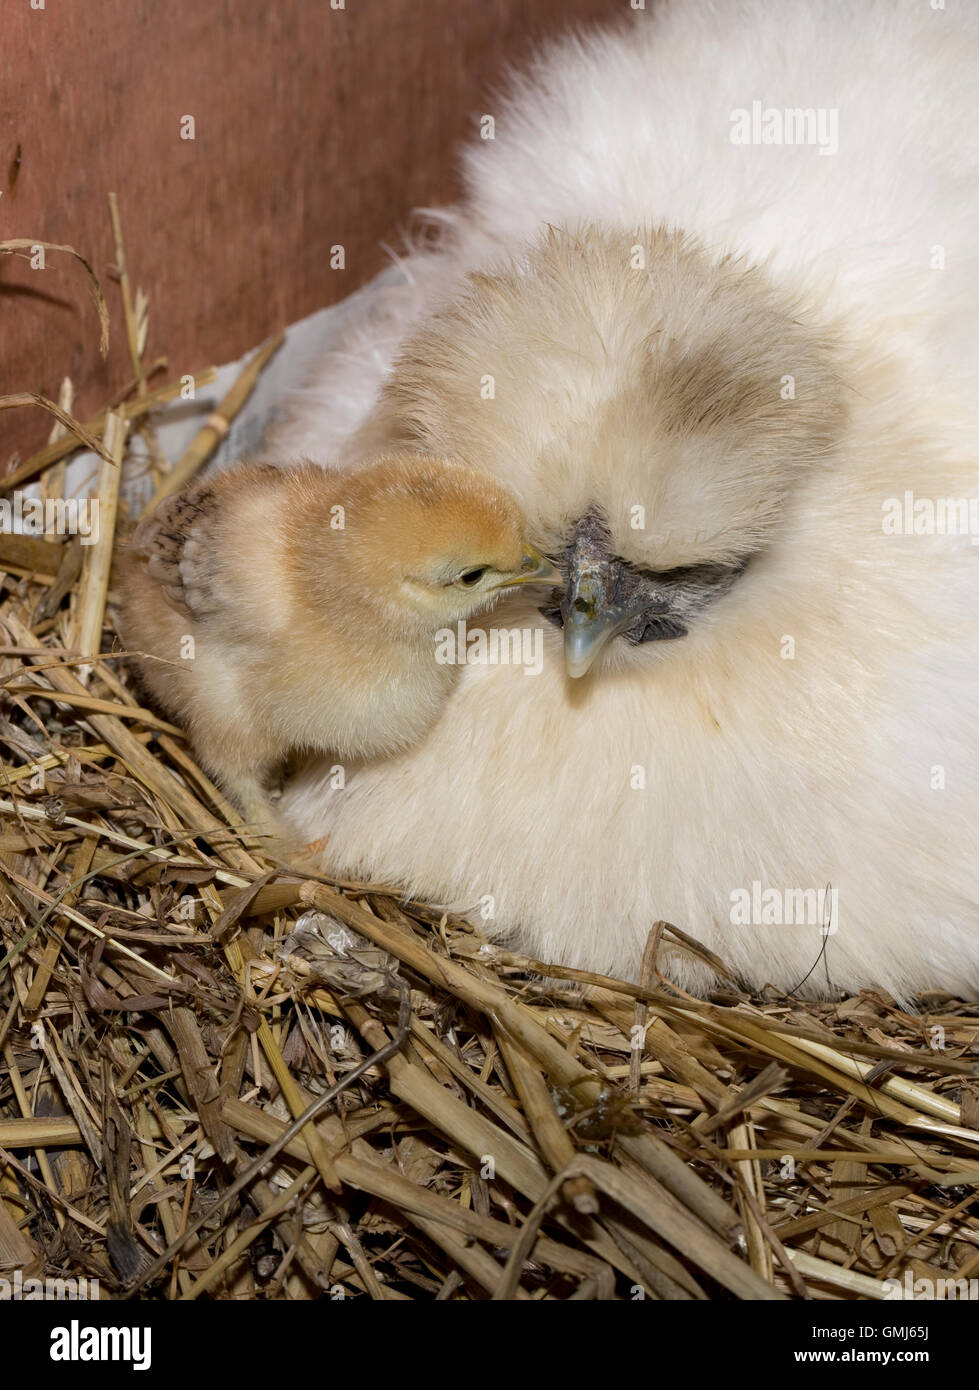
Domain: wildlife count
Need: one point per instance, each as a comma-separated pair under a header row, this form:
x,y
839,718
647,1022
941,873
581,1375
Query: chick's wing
x,y
178,543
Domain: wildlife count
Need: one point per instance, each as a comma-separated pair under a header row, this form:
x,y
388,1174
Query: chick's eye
x,y
470,578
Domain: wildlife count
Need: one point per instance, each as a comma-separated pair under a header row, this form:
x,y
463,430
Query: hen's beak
x,y
592,616
535,569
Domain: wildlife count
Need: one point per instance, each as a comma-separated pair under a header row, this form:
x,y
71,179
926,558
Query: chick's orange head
x,y
436,540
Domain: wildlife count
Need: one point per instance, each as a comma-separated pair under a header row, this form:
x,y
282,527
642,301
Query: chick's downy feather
x,y
707,359
281,611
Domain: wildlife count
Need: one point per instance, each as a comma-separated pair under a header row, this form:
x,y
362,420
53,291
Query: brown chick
x,y
274,610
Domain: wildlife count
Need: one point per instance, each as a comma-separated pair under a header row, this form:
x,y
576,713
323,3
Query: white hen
x,y
711,371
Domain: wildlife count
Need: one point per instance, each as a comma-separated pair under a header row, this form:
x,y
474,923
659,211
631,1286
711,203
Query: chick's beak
x,y
593,616
535,569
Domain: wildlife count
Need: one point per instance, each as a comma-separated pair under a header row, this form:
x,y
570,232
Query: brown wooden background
x,y
314,126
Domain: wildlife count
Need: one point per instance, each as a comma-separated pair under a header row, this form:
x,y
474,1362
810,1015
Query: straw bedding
x,y
172,999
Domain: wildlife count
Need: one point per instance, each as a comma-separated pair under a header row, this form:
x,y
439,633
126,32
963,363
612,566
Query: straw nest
x,y
222,1078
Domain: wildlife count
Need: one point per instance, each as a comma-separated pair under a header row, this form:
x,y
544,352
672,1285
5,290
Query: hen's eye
x,y
470,578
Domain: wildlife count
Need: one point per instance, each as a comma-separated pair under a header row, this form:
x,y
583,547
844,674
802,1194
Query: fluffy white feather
x,y
854,761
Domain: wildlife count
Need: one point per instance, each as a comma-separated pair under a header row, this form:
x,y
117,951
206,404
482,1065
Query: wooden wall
x,y
313,126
